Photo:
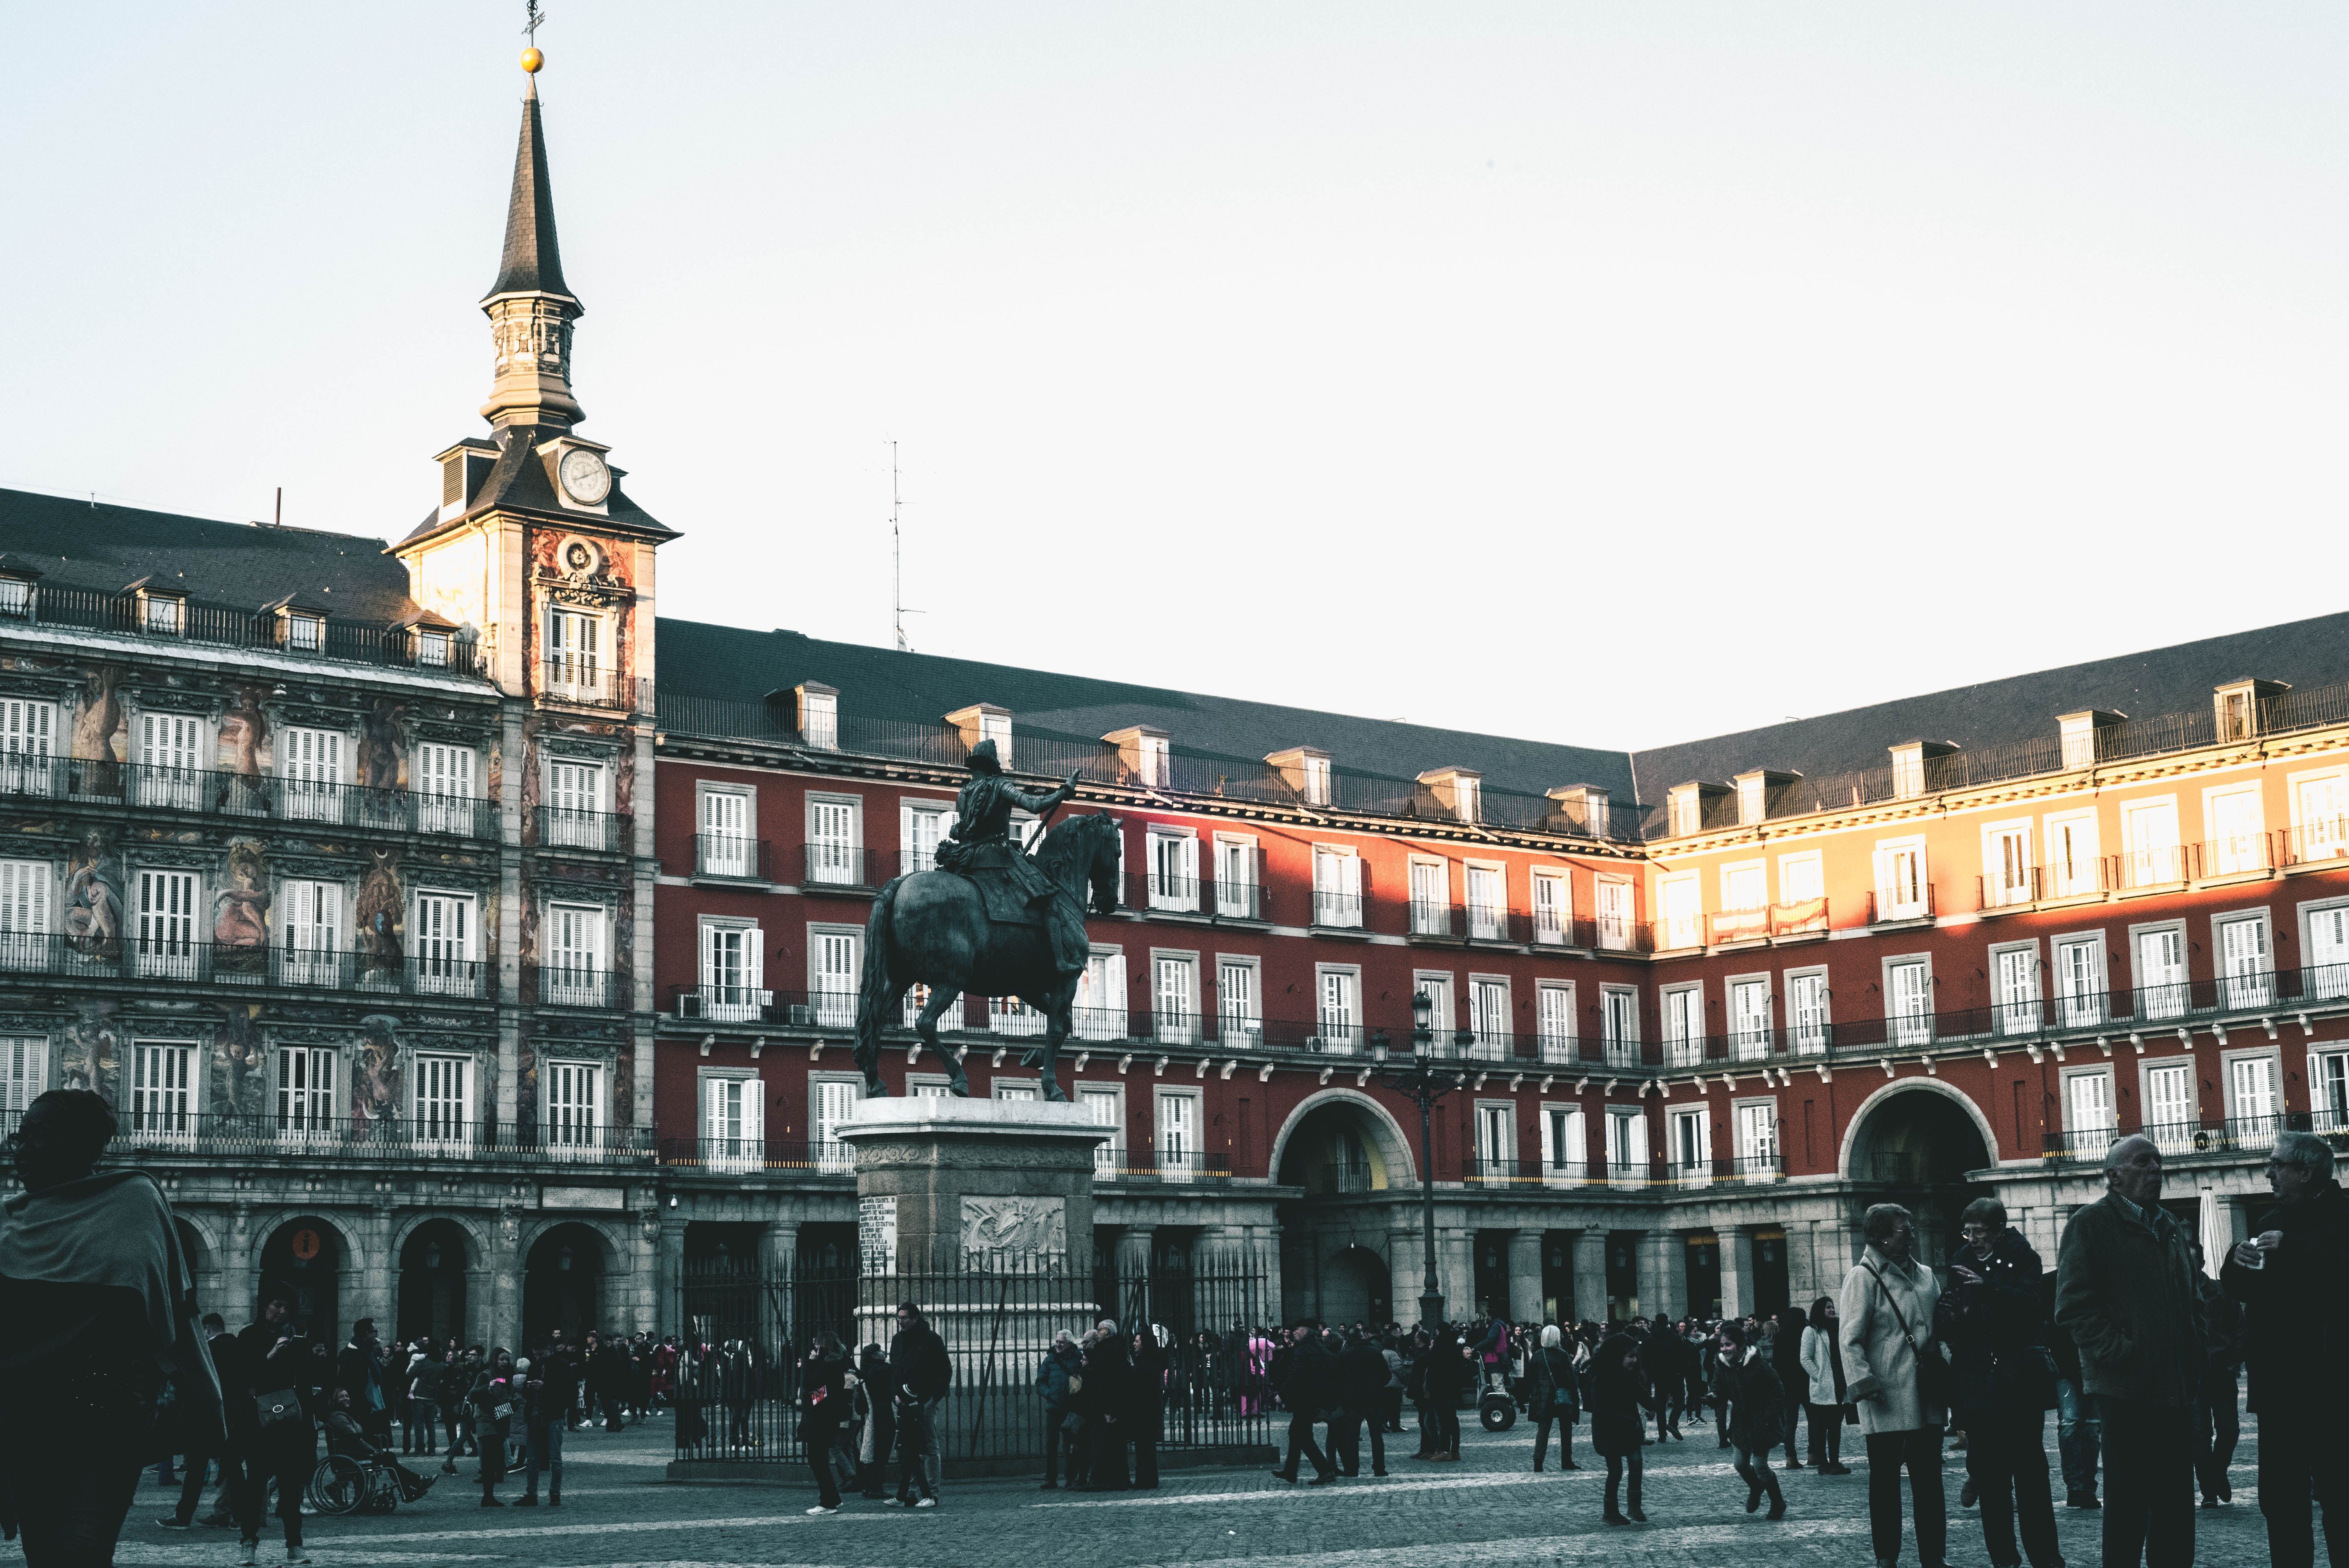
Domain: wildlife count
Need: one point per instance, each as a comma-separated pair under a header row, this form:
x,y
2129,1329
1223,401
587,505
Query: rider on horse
x,y
980,848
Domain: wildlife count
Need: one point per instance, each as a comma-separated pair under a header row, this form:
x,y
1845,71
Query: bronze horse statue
x,y
931,929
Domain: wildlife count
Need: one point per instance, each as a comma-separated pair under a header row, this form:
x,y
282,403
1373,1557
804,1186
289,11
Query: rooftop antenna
x,y
897,611
281,506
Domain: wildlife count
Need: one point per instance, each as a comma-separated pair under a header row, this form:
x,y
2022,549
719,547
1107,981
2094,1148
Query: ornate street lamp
x,y
1422,1083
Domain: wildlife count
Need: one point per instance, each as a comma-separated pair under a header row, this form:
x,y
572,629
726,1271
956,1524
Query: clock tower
x,y
536,549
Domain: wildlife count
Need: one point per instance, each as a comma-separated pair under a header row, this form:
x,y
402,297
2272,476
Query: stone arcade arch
x,y
310,1253
1341,1140
569,1269
1913,1142
438,1258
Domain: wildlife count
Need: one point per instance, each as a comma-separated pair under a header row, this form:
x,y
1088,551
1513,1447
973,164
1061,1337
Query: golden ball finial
x,y
531,59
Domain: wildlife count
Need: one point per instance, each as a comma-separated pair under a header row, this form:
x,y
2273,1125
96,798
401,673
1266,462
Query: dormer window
x,y
1685,811
1908,771
984,722
1306,771
2237,706
1583,807
432,649
307,633
1145,753
819,715
2077,732
158,611
16,590
1457,791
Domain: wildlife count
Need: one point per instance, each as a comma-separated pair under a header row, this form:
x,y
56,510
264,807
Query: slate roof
x,y
2175,679
532,264
107,548
729,664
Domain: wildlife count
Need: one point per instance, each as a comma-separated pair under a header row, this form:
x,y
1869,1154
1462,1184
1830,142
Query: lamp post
x,y
1420,1083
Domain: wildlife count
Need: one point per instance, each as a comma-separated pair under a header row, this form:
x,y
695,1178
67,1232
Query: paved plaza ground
x,y
1489,1512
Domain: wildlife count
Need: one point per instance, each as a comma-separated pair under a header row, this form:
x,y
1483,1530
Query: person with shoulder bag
x,y
1992,1319
1822,1365
1557,1397
1894,1371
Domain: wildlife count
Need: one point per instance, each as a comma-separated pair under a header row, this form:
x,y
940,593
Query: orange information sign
x,y
305,1244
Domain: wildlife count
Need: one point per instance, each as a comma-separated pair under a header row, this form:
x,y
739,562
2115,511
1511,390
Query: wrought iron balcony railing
x,y
262,796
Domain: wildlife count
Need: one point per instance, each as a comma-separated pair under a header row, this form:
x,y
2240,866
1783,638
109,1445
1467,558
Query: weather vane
x,y
531,59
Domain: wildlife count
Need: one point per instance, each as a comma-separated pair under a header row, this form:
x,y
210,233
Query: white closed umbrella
x,y
2216,1235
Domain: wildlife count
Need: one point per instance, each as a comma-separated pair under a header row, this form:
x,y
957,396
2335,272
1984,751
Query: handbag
x,y
1934,1379
278,1409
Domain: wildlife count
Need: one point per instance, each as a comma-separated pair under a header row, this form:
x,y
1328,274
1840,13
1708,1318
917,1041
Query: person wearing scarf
x,y
99,1317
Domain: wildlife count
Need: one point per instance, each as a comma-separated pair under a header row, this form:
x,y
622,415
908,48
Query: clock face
x,y
584,478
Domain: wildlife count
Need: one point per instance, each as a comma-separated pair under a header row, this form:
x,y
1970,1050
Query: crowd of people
x,y
2132,1340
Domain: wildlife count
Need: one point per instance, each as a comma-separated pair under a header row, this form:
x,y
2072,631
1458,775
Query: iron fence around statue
x,y
747,1327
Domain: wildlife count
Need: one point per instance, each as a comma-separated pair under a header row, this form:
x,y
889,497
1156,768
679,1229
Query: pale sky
x,y
1613,375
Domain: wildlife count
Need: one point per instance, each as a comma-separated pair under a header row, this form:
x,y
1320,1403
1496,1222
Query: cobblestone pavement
x,y
1490,1511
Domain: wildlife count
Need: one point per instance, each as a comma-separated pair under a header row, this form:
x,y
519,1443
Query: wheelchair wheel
x,y
1497,1412
339,1485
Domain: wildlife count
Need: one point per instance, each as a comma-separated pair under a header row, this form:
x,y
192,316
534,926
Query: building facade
x,y
449,954
323,866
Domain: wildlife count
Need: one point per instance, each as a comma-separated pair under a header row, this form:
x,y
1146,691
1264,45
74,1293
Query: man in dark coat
x,y
2292,1278
1361,1397
1992,1319
920,1374
358,1372
1309,1386
273,1357
1052,1373
2125,1292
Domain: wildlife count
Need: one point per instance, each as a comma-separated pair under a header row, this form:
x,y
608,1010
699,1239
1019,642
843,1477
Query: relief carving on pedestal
x,y
1019,1225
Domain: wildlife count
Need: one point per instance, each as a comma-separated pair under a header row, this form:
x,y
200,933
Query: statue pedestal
x,y
947,1185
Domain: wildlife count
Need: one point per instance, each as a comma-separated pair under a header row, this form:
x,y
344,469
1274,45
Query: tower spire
x,y
530,307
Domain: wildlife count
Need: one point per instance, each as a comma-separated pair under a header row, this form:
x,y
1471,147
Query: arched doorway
x,y
1353,1288
432,1266
562,1284
1340,1146
1914,1146
307,1254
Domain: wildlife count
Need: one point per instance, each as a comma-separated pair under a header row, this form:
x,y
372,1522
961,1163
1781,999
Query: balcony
x,y
1165,1166
1888,907
827,865
148,1128
1767,923
1337,910
582,986
587,682
1248,900
1676,933
1497,923
2221,1136
723,1004
567,827
1435,921
743,1156
329,637
730,857
260,796
211,964
1156,893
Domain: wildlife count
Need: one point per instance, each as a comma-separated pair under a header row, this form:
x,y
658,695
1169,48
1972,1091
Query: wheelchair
x,y
344,1485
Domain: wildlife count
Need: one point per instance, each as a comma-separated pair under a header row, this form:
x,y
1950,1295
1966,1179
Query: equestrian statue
x,y
993,920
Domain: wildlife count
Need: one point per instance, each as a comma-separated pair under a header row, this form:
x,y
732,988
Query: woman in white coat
x,y
1887,1311
1822,1373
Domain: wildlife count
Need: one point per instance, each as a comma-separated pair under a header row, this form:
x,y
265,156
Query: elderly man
x,y
2125,1290
2292,1280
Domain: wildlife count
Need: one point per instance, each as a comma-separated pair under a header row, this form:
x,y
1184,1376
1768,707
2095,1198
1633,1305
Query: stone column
x,y
1526,1278
1456,1261
1662,1263
669,1310
1737,1249
1590,1275
501,1322
1407,1273
374,1277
